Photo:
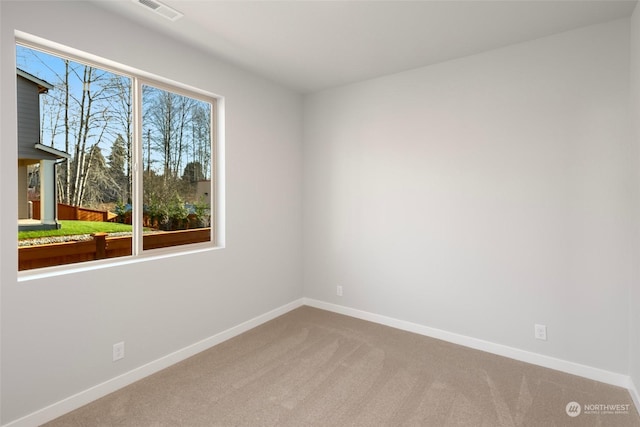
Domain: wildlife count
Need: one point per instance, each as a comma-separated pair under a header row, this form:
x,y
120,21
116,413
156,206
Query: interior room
x,y
464,171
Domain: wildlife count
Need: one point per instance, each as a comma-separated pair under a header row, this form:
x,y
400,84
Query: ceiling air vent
x,y
161,9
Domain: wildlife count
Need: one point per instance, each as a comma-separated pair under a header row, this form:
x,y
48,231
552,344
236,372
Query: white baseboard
x,y
592,373
80,399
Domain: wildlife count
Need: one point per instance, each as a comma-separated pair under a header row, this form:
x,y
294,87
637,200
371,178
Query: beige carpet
x,y
315,368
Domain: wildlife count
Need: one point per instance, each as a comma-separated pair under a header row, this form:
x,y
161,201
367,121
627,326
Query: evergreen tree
x,y
193,172
99,185
117,165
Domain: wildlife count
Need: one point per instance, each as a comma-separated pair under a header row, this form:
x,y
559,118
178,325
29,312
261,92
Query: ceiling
x,y
313,45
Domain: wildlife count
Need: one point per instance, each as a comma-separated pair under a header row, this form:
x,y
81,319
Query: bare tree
x,y
119,90
201,136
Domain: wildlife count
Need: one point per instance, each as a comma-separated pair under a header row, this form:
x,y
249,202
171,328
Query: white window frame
x,y
217,194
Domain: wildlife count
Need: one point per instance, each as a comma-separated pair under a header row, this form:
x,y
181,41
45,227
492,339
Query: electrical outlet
x,y
540,332
339,290
118,351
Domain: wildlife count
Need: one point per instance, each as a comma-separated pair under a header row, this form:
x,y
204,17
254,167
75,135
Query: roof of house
x,y
57,153
43,86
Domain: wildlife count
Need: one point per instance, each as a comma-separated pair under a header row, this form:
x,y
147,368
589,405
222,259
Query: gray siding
x,y
29,121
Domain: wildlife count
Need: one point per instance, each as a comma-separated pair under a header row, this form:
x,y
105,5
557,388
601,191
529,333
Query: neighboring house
x,y
31,151
202,190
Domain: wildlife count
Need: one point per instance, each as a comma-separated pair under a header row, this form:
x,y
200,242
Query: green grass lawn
x,y
71,228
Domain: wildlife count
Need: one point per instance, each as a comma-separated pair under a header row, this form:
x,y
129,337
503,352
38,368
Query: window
x,y
111,162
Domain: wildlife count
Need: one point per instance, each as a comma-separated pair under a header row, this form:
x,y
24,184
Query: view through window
x,y
99,180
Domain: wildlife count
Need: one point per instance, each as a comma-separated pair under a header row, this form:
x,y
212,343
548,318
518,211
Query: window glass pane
x,y
74,156
177,172
78,139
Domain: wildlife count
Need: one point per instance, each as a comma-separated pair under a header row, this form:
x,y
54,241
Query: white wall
x,y
57,332
483,195
634,300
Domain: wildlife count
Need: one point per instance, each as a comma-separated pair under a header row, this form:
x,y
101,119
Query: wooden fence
x,y
102,246
68,212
